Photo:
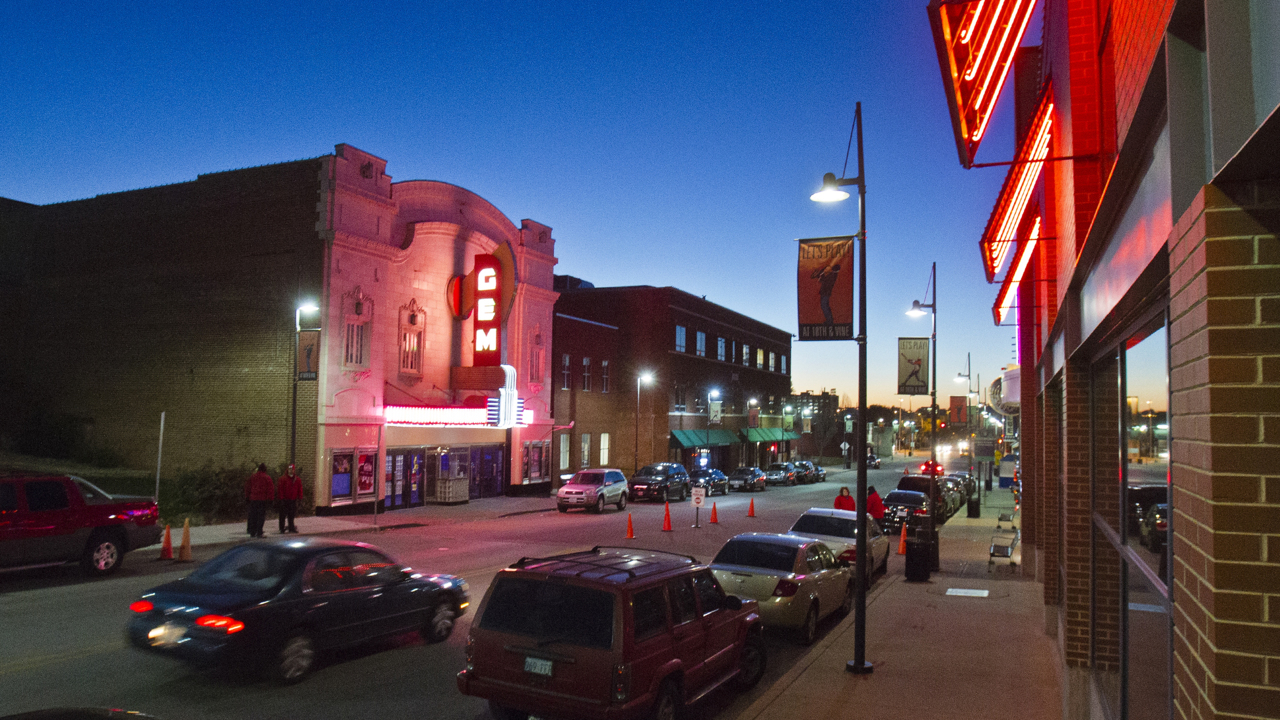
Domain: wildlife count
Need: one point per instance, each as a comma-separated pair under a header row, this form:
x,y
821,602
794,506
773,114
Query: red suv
x,y
612,633
47,520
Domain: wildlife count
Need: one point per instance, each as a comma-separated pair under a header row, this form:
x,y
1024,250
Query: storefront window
x,y
604,449
586,450
340,476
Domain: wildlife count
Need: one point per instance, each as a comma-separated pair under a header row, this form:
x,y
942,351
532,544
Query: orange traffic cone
x,y
666,519
902,543
184,552
751,511
713,514
166,547
631,531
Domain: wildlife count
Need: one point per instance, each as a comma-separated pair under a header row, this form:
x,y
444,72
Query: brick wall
x,y
1032,483
1137,30
1224,259
1077,523
1106,502
1050,517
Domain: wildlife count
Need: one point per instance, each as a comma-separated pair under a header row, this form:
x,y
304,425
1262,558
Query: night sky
x,y
666,143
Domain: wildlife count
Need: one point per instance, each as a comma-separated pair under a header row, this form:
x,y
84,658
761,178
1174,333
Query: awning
x,y
703,438
788,435
769,435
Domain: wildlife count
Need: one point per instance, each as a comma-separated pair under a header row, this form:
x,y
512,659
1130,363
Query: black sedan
x,y
747,479
711,479
279,603
899,505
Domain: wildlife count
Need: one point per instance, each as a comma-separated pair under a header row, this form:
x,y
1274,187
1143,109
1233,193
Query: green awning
x,y
703,438
788,435
768,435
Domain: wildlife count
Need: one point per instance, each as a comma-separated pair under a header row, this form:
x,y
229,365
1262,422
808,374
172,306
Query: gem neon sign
x,y
976,43
446,416
1002,228
488,322
1009,290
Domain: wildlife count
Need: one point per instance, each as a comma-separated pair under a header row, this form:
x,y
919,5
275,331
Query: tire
x,y
751,663
502,712
295,659
562,508
846,607
103,553
440,622
599,508
622,502
667,705
809,630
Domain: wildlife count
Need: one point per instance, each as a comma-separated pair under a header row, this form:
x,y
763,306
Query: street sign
x,y
844,446
699,496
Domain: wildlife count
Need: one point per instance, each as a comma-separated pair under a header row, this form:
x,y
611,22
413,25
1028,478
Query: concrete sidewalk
x,y
934,655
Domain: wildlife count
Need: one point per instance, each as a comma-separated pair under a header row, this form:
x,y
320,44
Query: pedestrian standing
x,y
259,490
875,506
845,501
288,493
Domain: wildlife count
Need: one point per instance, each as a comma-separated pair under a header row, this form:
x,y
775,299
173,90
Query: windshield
x,y
904,498
747,472
757,554
584,478
550,612
655,470
246,568
778,466
825,525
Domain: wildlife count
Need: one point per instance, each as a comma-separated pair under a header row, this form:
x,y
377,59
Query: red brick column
x,y
1029,427
1224,261
1049,403
1077,523
1106,502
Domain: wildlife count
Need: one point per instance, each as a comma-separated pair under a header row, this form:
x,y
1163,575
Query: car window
x,y
828,558
370,568
246,568
826,525
813,559
329,573
873,528
684,606
550,612
710,595
616,477
751,553
92,494
8,497
44,495
649,611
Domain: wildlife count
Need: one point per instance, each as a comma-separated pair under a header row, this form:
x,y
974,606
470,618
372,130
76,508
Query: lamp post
x,y
830,193
293,416
967,378
917,309
710,394
645,378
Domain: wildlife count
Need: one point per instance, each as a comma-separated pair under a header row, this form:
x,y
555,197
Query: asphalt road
x,y
64,635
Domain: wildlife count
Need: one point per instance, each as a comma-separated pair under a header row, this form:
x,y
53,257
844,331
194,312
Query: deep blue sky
x,y
665,143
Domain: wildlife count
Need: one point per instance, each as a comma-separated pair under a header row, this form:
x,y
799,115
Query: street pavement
x,y
936,653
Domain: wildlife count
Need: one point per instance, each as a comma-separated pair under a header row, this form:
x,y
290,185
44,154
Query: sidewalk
x,y
934,655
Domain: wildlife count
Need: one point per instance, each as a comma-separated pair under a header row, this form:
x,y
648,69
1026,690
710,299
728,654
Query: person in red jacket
x,y
875,506
259,490
288,493
845,501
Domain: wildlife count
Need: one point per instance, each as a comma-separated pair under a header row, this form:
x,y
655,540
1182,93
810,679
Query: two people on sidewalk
x,y
260,490
875,506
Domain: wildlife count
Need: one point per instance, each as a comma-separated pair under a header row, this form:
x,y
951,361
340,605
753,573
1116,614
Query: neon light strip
x,y
966,33
986,81
438,416
1010,290
977,60
986,117
1028,176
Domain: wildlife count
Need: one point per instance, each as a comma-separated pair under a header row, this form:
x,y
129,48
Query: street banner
x,y
788,422
959,409
308,354
824,288
753,417
913,366
716,413
848,424
808,425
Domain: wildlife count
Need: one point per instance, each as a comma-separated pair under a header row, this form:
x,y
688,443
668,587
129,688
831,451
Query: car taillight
x,y
921,511
218,622
621,682
850,555
141,606
786,588
1162,525
471,645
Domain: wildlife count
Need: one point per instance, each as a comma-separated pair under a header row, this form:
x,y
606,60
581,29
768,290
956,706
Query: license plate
x,y
537,666
166,634
902,513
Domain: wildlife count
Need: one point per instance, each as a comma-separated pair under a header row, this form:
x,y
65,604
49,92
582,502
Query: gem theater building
x,y
1135,246
422,318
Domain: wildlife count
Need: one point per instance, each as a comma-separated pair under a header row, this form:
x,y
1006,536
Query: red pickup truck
x,y
51,519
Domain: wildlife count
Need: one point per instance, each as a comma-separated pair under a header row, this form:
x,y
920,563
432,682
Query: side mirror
x,y
732,602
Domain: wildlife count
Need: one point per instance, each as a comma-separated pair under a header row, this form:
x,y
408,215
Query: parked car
x,y
277,604
805,473
838,530
1140,500
711,479
660,481
1153,531
920,483
953,492
900,504
614,633
747,479
593,489
821,472
783,473
873,461
969,482
63,518
797,580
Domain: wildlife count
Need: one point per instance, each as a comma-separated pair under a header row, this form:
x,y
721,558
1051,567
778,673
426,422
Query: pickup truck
x,y
54,519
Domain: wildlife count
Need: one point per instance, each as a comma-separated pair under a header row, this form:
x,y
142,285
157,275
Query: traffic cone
x,y
751,511
631,531
184,552
666,519
902,543
166,547
713,514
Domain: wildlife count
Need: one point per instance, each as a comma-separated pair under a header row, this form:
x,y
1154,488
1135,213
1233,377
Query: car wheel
x,y
751,662
599,508
295,660
562,508
103,553
622,501
846,607
809,631
667,704
502,712
440,623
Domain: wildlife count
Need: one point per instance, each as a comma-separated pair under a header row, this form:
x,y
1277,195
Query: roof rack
x,y
578,558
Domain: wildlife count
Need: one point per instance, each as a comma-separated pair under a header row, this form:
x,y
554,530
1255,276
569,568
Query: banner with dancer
x,y
913,366
824,288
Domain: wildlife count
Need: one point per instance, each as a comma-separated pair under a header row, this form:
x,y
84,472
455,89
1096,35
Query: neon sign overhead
x,y
976,43
1009,290
1002,227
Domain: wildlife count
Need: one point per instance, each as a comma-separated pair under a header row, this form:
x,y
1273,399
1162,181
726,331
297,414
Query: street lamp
x,y
917,309
647,379
710,394
966,377
831,192
308,308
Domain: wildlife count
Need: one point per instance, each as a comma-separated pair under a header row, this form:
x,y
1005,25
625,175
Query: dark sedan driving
x,y
279,603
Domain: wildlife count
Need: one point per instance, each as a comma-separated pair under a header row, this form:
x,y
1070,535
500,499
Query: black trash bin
x,y
975,507
919,550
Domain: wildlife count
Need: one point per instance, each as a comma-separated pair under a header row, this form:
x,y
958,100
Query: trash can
x,y
975,507
919,560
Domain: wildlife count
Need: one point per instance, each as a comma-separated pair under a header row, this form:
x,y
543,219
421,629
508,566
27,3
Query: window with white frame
x,y
604,376
720,349
702,344
759,359
771,361
358,329
564,451
784,364
412,320
604,449
586,450
586,374
680,345
564,371
746,354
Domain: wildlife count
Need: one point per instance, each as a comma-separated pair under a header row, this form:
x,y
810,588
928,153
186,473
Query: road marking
x,y
31,663
968,592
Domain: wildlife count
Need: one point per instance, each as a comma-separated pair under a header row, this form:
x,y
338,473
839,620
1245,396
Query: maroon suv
x,y
613,633
51,519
